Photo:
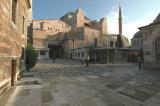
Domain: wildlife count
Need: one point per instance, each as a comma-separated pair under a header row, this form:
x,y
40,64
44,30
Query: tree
x,y
119,41
31,57
91,52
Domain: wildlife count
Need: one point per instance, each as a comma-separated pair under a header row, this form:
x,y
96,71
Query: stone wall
x,y
150,35
79,18
40,43
90,35
103,26
49,27
48,30
12,39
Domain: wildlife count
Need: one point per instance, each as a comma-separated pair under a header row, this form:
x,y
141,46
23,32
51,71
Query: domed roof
x,y
78,10
138,34
125,41
157,18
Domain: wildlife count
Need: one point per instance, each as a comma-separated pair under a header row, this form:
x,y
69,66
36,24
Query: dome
x,y
139,35
125,41
157,18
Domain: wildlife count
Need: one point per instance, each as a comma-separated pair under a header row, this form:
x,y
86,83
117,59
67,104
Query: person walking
x,y
95,58
140,62
54,57
87,60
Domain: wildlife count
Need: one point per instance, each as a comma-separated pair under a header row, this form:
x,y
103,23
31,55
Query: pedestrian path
x,y
68,83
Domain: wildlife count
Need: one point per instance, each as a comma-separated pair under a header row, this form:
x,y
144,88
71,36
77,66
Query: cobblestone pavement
x,y
67,83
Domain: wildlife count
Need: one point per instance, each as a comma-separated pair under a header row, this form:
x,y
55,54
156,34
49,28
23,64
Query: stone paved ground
x,y
67,83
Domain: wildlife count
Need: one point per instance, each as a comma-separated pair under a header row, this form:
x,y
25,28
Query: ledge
x,y
8,58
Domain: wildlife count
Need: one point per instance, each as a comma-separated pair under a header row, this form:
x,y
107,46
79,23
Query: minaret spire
x,y
120,20
119,37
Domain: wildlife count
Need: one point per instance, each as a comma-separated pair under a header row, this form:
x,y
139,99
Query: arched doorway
x,y
157,49
56,50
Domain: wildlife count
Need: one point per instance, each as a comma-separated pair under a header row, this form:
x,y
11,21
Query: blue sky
x,y
136,13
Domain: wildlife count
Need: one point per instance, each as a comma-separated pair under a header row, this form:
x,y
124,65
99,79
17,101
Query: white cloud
x,y
129,28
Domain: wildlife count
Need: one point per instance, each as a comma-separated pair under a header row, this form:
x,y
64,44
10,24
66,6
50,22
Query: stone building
x,y
14,15
110,41
67,36
151,44
100,40
49,37
137,41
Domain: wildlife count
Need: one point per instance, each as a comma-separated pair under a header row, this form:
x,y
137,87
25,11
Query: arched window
x,y
157,48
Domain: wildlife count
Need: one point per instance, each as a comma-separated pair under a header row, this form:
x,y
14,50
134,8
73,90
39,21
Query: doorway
x,y
56,50
13,72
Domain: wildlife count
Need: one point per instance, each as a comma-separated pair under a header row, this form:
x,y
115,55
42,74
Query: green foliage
x,y
91,49
31,57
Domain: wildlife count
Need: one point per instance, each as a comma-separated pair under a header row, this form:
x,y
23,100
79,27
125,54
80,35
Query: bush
x,y
31,57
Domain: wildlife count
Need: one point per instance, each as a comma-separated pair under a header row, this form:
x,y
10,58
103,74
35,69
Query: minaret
x,y
119,37
120,21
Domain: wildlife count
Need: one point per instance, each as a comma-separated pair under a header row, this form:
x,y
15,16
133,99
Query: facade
x,y
110,41
49,37
100,40
151,44
14,15
65,37
137,41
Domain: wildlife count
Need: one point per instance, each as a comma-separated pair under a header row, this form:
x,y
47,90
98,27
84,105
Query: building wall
x,y
39,43
43,53
79,53
103,27
50,27
12,39
44,30
67,46
29,25
90,35
150,35
108,41
48,32
79,19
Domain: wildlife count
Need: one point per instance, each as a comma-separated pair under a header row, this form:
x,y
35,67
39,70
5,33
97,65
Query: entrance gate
x,y
56,50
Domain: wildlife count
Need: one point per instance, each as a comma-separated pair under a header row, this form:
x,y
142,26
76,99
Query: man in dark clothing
x,y
87,61
140,62
54,57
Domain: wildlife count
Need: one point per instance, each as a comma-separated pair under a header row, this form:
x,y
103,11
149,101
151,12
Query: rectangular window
x,y
42,52
14,11
23,25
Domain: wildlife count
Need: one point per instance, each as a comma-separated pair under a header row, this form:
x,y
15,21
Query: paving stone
x,y
141,96
24,92
113,86
66,83
46,96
